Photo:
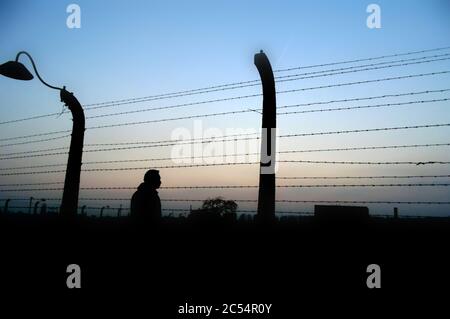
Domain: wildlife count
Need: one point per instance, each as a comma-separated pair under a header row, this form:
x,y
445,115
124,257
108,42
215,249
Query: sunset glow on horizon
x,y
186,47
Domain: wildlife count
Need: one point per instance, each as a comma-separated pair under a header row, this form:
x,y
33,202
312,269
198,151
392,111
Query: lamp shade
x,y
15,70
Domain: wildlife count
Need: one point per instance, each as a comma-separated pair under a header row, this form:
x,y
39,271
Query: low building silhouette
x,y
337,213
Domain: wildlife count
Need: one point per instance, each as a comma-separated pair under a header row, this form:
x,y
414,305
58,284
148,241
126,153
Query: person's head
x,y
152,178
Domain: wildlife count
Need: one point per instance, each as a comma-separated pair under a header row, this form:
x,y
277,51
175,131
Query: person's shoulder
x,y
137,193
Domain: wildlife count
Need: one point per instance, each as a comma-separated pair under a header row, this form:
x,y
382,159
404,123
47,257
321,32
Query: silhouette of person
x,y
43,207
145,203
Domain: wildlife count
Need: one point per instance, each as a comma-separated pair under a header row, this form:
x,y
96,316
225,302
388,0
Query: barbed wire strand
x,y
281,177
348,108
392,128
240,111
234,112
364,98
237,187
31,184
246,109
255,201
280,107
431,57
280,152
361,177
235,163
36,141
366,163
172,119
360,60
251,154
214,139
232,85
244,155
176,94
158,143
245,96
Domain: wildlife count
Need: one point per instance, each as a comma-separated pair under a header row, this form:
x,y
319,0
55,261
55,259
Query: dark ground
x,y
309,265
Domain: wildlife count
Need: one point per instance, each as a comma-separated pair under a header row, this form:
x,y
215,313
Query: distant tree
x,y
220,206
214,210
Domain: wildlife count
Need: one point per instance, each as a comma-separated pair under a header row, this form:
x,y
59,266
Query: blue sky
x,y
130,49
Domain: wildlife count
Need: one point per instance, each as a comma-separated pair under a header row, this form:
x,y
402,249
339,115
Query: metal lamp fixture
x,y
69,203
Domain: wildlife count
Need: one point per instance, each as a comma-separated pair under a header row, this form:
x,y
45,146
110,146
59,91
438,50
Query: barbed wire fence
x,y
418,97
